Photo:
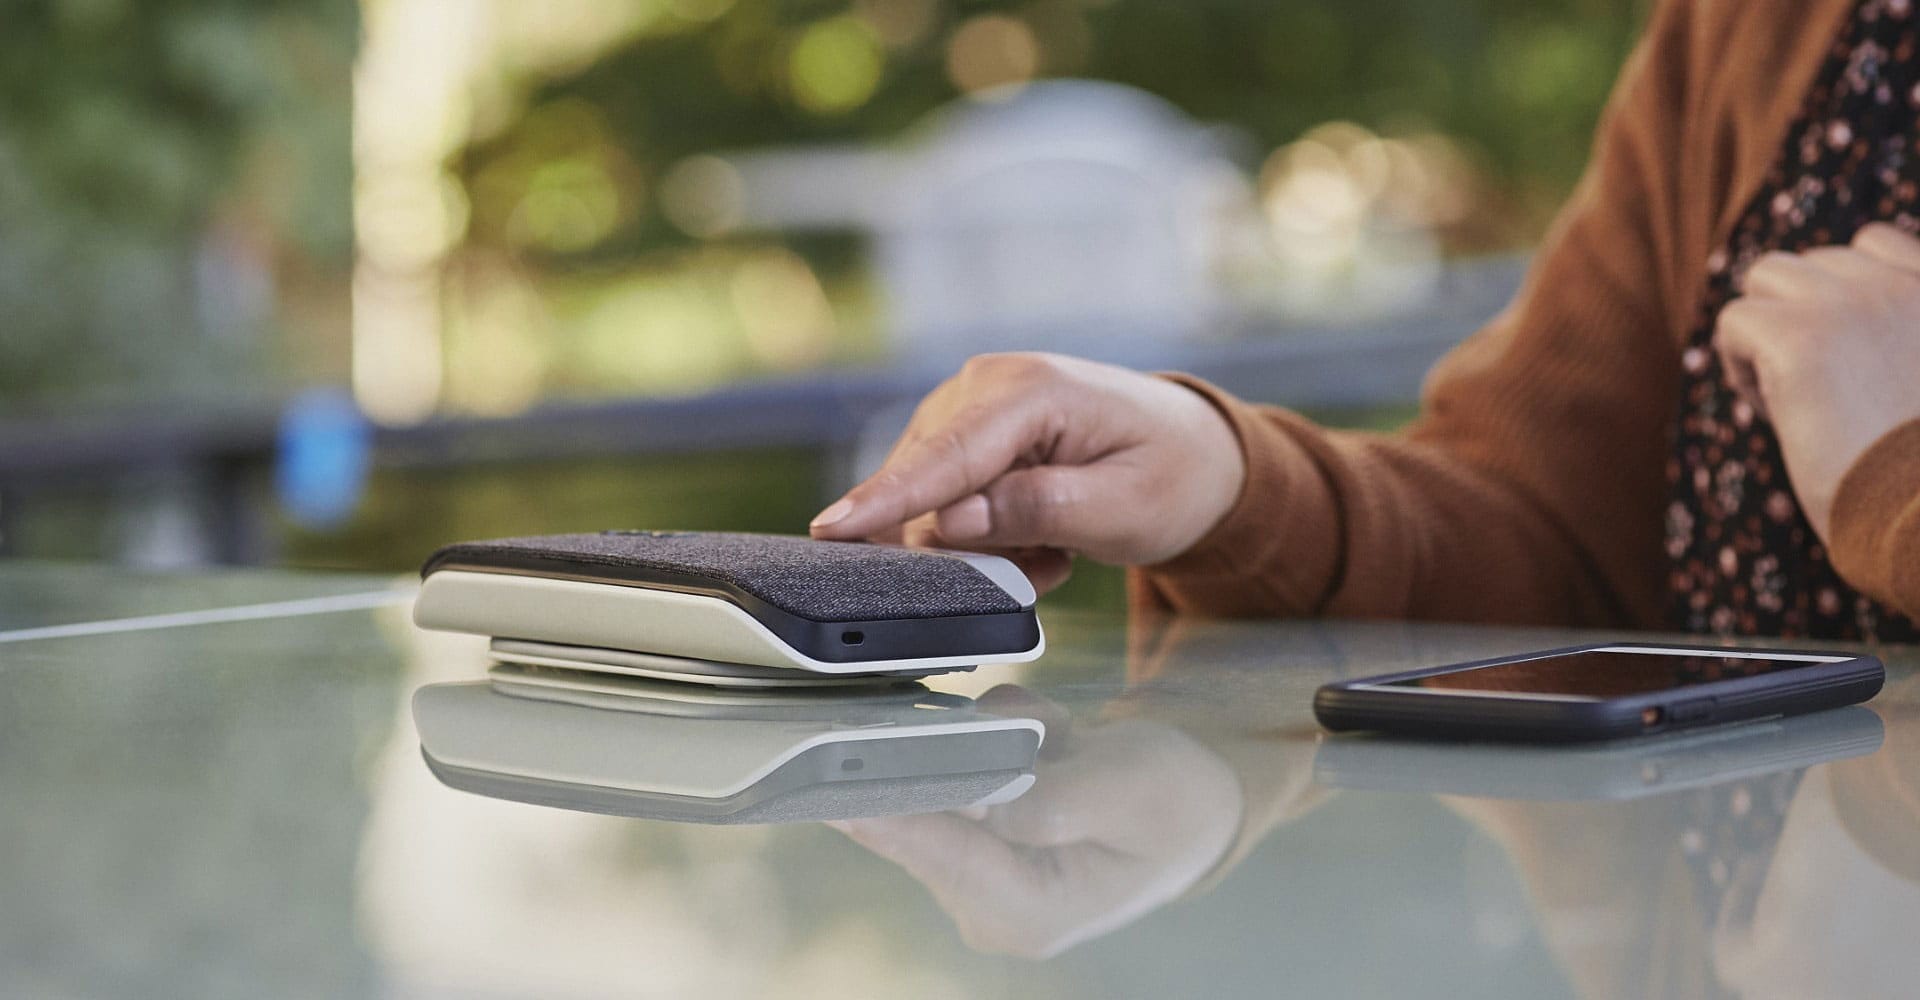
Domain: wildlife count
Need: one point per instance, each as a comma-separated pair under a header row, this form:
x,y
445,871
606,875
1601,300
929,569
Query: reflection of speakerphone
x,y
632,746
1619,770
717,606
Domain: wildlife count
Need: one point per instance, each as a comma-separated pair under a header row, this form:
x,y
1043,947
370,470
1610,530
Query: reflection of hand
x,y
1824,342
1124,817
1036,455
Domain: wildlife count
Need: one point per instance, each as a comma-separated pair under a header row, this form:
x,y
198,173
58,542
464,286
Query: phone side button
x,y
1690,711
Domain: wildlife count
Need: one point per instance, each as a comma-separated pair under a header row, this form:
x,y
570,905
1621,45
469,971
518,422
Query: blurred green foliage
x,y
1519,81
143,144
135,135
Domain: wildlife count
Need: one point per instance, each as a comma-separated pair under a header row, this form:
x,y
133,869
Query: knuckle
x,y
996,364
1876,231
1031,946
948,445
1753,318
1009,932
1046,498
1733,339
1058,492
1767,264
991,938
886,482
1018,367
1773,267
981,364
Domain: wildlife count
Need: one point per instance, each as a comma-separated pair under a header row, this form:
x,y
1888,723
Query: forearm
x,y
1531,488
1343,524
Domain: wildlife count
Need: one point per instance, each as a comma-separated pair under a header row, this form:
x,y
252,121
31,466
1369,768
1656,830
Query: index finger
x,y
973,448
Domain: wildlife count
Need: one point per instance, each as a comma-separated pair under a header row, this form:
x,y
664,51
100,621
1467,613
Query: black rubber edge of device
x,y
829,642
1357,705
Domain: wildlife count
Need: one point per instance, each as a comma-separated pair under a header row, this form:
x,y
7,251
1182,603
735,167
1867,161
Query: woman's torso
x,y
1744,560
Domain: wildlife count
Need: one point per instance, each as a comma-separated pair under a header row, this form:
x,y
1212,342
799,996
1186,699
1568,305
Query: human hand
x,y
1038,455
1123,817
1827,344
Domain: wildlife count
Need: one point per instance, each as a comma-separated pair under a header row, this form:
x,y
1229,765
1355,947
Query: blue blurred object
x,y
325,453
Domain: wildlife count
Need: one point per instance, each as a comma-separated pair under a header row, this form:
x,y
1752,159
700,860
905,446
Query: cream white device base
x,y
678,627
676,668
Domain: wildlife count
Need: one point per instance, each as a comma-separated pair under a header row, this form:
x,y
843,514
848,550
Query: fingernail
x,y
967,519
836,511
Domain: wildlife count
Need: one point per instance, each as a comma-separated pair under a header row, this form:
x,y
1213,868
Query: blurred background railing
x,y
328,283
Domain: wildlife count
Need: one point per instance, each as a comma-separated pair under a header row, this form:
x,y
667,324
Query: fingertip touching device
x,y
731,609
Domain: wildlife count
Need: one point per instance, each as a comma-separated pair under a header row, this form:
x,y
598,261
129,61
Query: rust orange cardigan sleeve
x,y
1531,488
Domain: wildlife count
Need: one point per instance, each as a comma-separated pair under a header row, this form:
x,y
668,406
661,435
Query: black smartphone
x,y
1598,692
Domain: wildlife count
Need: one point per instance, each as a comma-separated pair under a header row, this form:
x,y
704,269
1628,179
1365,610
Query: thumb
x,y
1071,507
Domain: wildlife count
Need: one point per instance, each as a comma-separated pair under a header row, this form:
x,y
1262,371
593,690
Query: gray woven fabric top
x,y
823,581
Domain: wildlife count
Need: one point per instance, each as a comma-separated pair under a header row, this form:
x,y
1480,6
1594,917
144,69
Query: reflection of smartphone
x,y
1598,692
1621,770
663,750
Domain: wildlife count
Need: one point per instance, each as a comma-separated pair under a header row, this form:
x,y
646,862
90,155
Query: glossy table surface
x,y
214,787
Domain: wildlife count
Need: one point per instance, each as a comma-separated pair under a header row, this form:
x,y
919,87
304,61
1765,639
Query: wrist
x,y
1227,476
1221,474
1278,547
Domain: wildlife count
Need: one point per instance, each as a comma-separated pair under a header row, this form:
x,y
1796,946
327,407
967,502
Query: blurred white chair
x,y
1064,212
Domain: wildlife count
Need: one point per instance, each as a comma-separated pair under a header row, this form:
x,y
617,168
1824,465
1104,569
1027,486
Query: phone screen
x,y
1603,673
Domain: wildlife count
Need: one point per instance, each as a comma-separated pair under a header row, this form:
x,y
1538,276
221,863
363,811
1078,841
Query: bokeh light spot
x,y
836,65
570,205
703,196
788,321
899,23
992,50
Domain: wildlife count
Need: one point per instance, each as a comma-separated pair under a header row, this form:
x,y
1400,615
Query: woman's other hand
x,y
1827,344
1038,456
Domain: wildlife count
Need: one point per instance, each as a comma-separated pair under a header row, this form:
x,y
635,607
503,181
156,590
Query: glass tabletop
x,y
336,803
53,595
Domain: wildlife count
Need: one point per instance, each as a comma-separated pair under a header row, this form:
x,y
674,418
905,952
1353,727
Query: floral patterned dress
x,y
1745,560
